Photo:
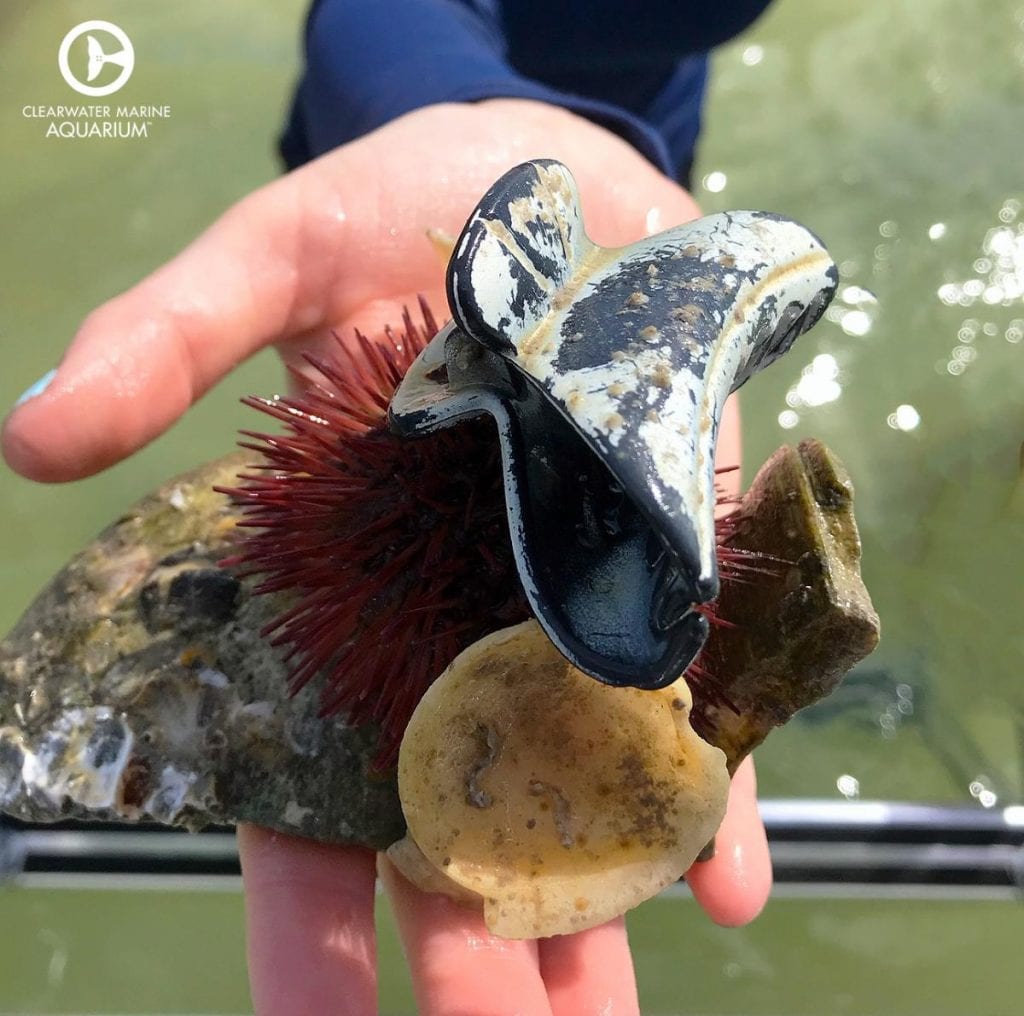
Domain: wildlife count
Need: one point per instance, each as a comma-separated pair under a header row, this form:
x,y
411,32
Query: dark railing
x,y
817,846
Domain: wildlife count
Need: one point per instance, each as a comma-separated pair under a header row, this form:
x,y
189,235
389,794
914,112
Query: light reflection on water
x,y
900,149
999,271
905,417
715,182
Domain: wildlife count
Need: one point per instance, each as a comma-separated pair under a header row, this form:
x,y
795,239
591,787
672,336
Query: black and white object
x,y
606,371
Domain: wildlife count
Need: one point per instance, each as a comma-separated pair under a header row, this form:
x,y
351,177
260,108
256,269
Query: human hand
x,y
312,947
337,245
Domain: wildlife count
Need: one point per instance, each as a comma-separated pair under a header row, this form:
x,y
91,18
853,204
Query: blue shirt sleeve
x,y
370,61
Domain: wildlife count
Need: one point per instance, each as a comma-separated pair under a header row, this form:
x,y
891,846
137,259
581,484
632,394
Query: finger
x,y
289,261
733,886
302,254
141,359
309,916
458,967
590,972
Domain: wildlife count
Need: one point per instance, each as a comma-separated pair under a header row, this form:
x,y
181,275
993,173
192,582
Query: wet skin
x,y
316,250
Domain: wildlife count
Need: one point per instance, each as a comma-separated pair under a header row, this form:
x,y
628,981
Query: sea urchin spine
x,y
396,551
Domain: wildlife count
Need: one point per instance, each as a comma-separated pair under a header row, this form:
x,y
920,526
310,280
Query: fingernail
x,y
37,389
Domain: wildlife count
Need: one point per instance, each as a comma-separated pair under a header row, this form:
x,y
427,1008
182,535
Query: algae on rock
x,y
137,687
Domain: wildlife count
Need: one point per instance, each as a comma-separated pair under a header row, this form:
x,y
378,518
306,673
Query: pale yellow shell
x,y
562,802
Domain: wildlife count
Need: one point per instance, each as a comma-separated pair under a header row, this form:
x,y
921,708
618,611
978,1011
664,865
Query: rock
x,y
805,618
137,687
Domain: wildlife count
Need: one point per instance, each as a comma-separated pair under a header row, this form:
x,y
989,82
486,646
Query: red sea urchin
x,y
396,550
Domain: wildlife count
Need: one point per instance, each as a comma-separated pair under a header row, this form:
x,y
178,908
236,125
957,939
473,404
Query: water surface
x,y
891,128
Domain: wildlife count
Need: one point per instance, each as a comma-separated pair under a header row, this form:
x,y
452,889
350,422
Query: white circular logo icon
x,y
101,51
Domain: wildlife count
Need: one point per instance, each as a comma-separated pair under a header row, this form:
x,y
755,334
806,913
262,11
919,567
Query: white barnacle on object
x,y
171,793
80,758
296,814
257,710
213,678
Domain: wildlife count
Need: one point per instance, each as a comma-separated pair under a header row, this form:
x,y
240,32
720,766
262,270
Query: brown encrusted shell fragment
x,y
137,687
806,618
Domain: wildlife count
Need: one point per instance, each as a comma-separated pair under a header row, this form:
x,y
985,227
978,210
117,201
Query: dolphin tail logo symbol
x,y
98,59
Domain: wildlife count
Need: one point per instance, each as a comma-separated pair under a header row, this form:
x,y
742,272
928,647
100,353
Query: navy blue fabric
x,y
638,68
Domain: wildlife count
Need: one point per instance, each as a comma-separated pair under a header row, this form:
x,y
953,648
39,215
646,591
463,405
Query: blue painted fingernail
x,y
38,388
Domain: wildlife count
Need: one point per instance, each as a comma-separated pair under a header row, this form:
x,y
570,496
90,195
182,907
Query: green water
x,y
891,127
179,952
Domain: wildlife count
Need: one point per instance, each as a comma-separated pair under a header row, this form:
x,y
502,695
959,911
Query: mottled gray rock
x,y
136,687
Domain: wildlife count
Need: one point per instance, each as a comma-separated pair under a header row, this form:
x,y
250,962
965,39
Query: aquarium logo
x,y
106,45
96,58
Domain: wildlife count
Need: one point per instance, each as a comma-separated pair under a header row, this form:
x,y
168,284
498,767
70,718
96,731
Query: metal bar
x,y
68,845
812,813
79,843
809,856
854,842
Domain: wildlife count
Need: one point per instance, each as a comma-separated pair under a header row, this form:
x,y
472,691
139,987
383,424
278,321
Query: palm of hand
x,y
337,245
